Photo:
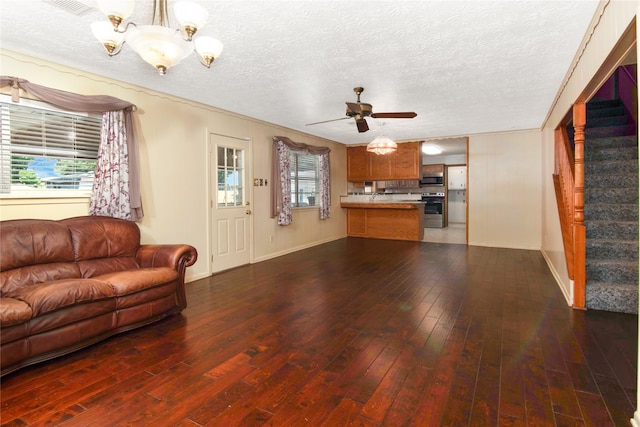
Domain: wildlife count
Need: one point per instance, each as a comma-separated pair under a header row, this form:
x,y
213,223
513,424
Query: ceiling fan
x,y
359,111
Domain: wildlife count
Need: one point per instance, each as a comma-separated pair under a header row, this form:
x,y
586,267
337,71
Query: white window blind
x,y
305,180
45,150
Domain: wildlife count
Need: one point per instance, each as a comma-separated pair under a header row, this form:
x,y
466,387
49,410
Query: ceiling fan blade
x,y
362,125
327,121
404,115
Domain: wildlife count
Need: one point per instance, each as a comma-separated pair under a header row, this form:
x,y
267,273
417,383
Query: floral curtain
x,y
93,104
110,195
325,186
284,166
281,178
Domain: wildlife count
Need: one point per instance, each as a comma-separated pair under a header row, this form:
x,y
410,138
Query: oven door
x,y
433,217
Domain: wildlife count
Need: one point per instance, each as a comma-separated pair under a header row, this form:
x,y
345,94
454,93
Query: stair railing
x,y
568,179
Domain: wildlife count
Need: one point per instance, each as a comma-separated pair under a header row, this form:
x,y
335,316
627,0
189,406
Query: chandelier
x,y
382,144
157,43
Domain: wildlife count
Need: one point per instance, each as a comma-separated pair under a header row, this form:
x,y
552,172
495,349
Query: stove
x,y
433,209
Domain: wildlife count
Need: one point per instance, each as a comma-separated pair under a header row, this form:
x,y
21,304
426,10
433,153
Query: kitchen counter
x,y
384,204
393,219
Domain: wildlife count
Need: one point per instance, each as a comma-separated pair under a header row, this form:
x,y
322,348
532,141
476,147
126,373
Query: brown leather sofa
x,y
68,284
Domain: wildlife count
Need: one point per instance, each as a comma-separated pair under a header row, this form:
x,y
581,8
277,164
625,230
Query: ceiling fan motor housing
x,y
365,110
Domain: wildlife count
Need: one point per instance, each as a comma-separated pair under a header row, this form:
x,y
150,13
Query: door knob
x,y
248,211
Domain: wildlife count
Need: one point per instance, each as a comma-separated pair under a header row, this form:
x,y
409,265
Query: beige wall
x,y
174,138
504,189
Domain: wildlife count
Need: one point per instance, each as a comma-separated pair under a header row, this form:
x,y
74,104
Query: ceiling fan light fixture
x,y
382,145
431,150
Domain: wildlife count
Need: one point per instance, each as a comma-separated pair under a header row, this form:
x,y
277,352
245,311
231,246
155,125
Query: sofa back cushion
x,y
34,251
103,244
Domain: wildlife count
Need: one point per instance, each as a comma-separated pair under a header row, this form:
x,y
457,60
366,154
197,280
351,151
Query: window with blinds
x,y
47,150
305,180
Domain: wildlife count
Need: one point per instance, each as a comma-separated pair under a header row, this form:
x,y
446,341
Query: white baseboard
x,y
635,421
295,249
193,277
487,245
567,293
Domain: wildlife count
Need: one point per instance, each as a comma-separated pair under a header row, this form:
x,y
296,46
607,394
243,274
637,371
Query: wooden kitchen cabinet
x,y
358,168
407,161
380,167
404,163
394,221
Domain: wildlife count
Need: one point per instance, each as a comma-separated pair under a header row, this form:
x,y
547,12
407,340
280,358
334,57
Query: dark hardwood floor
x,y
354,332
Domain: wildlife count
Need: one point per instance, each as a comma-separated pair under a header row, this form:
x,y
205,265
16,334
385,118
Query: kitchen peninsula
x,y
384,217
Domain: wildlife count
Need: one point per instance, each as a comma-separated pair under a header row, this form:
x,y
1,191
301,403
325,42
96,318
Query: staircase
x,y
611,208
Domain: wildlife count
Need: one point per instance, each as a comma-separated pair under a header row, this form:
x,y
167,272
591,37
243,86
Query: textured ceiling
x,y
463,66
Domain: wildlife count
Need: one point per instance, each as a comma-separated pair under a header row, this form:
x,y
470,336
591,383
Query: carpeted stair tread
x,y
611,166
623,230
597,104
606,249
604,131
611,195
607,152
612,271
611,180
611,212
615,109
609,120
612,141
623,298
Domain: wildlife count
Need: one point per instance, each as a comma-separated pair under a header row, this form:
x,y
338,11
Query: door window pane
x,y
230,177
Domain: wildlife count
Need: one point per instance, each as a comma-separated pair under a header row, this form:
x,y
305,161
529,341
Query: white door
x,y
230,202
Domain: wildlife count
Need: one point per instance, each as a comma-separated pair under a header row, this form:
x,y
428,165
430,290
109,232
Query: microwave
x,y
432,180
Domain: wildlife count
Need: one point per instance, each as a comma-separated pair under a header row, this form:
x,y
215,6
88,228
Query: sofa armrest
x,y
174,256
178,257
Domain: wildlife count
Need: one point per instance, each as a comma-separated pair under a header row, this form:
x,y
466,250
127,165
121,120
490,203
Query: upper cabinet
x,y
358,167
457,177
404,163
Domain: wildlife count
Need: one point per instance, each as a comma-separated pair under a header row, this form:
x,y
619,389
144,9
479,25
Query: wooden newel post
x,y
579,230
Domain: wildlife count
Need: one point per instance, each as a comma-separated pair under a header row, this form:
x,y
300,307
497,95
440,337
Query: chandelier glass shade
x,y
157,43
382,145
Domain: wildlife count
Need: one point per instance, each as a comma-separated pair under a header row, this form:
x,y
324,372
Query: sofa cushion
x,y
103,237
51,296
97,267
131,281
13,312
13,280
29,242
